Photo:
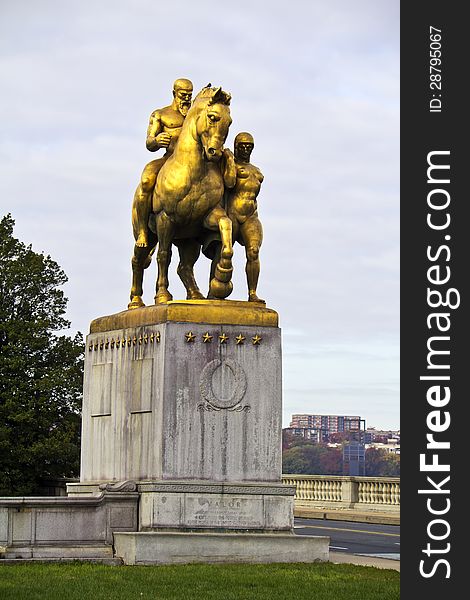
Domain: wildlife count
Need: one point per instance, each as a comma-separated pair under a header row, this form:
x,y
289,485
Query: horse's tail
x,y
148,260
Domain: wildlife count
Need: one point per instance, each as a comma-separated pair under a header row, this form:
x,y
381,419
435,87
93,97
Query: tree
x,y
41,370
312,459
380,463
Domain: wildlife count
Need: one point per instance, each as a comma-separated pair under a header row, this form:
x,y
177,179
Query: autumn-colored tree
x,y
312,459
380,463
308,458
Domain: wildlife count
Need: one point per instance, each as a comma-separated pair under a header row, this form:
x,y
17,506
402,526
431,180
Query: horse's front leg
x,y
165,231
221,285
140,261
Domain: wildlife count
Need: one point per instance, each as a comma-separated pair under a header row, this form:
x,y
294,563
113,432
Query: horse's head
x,y
213,121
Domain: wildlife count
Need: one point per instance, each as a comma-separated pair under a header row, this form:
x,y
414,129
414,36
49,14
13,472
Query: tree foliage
x,y
41,370
312,459
304,457
380,463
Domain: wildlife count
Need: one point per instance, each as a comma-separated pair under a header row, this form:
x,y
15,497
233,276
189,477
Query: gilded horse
x,y
187,201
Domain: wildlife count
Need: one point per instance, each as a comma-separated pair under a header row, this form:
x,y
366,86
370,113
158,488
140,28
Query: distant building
x,y
317,436
381,435
318,428
330,423
390,445
354,459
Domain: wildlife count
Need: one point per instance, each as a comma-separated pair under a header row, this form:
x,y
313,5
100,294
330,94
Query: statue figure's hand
x,y
163,139
228,154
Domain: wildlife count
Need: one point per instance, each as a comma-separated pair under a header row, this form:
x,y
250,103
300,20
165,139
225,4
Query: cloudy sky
x,y
317,84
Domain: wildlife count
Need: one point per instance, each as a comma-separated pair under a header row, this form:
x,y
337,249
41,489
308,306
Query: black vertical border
x,y
423,132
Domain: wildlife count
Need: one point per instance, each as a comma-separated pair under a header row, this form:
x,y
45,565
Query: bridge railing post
x,y
349,491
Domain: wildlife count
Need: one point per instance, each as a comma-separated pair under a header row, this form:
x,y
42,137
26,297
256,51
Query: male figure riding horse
x,y
164,128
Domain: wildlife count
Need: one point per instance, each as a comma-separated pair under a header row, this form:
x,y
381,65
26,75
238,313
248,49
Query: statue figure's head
x,y
243,146
182,94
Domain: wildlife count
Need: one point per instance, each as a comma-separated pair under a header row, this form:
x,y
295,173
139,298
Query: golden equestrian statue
x,y
187,201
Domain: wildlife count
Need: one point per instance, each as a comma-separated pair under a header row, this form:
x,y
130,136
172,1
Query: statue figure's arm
x,y
156,137
229,169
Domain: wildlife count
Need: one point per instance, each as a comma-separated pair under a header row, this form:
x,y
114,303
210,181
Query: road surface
x,y
382,541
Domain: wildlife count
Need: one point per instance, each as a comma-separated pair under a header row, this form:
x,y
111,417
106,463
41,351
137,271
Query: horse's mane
x,y
214,95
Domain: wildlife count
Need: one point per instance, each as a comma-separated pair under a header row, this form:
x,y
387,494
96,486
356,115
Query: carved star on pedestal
x,y
207,338
223,338
157,337
256,340
239,339
90,347
190,337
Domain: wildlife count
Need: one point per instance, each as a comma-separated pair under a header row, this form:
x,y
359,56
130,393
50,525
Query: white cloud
x,y
317,84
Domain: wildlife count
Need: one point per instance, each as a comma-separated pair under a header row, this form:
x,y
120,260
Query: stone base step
x,y
58,552
147,548
112,562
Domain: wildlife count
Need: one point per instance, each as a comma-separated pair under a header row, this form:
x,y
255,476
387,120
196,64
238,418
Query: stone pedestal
x,y
185,400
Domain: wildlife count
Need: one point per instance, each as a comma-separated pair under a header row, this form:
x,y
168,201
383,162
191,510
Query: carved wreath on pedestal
x,y
212,402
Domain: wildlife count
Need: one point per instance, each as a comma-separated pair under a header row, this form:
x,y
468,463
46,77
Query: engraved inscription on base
x,y
221,511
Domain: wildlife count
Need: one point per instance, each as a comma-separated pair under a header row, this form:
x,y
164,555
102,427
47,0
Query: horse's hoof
x,y
196,295
136,302
163,297
223,274
220,289
225,263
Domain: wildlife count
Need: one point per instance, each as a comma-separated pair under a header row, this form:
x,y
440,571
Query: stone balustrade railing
x,y
360,493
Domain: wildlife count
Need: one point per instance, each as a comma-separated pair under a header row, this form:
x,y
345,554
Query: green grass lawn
x,y
74,581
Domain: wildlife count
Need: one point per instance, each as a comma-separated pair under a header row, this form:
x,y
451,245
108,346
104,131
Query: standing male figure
x,y
163,131
242,209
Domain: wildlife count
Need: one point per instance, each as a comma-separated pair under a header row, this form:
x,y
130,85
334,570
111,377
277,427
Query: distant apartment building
x,y
318,428
308,433
388,440
383,435
392,446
